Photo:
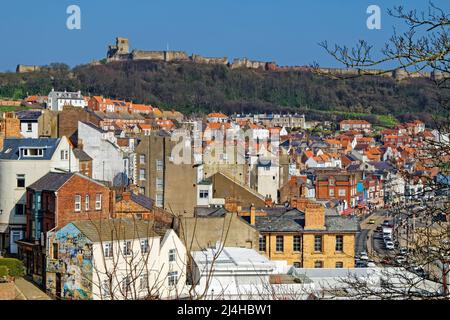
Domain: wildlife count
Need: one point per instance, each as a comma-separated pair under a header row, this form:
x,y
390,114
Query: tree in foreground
x,y
422,216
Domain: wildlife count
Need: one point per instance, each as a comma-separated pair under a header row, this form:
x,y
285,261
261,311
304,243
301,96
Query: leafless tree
x,y
422,213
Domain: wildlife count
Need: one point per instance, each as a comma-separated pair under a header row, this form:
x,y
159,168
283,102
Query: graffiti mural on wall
x,y
74,263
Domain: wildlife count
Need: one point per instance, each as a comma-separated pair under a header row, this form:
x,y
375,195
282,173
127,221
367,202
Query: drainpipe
x,y
302,250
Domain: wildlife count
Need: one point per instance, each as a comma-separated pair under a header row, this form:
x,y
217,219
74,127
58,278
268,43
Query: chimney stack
x,y
314,216
126,196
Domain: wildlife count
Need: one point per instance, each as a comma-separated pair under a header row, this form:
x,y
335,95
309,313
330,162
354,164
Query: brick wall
x,y
10,125
68,122
81,186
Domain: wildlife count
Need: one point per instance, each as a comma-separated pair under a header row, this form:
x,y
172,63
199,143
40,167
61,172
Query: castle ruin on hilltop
x,y
121,52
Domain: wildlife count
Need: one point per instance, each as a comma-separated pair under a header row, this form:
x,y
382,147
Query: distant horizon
x,y
287,31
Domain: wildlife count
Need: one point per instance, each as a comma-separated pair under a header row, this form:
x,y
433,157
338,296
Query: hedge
x,y
3,271
15,266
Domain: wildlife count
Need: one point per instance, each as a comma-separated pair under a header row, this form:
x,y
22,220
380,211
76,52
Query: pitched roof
x,y
118,115
81,155
294,221
217,115
12,146
119,229
142,200
28,115
354,122
210,212
52,181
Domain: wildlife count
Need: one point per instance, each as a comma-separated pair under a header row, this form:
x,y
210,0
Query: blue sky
x,y
285,31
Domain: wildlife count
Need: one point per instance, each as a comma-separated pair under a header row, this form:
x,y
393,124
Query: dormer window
x,y
33,152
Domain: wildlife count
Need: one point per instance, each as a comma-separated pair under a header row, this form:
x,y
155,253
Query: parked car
x,y
372,221
419,271
363,256
403,251
400,260
389,245
379,229
371,264
361,264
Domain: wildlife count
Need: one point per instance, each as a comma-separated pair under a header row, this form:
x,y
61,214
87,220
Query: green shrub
x,y
15,266
3,271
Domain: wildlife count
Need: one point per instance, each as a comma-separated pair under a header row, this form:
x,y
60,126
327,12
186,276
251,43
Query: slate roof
x,y
382,165
118,115
142,200
81,155
341,223
29,115
119,229
52,181
294,221
279,224
351,157
353,167
12,146
210,212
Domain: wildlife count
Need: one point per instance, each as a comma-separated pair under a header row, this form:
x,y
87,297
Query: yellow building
x,y
306,237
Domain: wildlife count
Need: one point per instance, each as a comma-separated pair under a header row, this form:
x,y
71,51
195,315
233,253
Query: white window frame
x,y
86,202
159,165
98,201
172,278
143,282
159,200
145,248
77,203
108,249
64,154
159,184
127,248
203,194
126,284
142,175
172,255
20,177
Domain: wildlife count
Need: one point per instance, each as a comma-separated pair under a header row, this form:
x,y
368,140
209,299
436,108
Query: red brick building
x,y
138,206
374,191
53,201
336,184
396,140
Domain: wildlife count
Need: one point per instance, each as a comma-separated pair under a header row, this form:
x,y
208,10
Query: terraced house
x,y
306,237
53,201
22,162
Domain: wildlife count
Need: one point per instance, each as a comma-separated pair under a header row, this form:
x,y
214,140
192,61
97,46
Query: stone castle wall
x,y
207,60
21,68
119,52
